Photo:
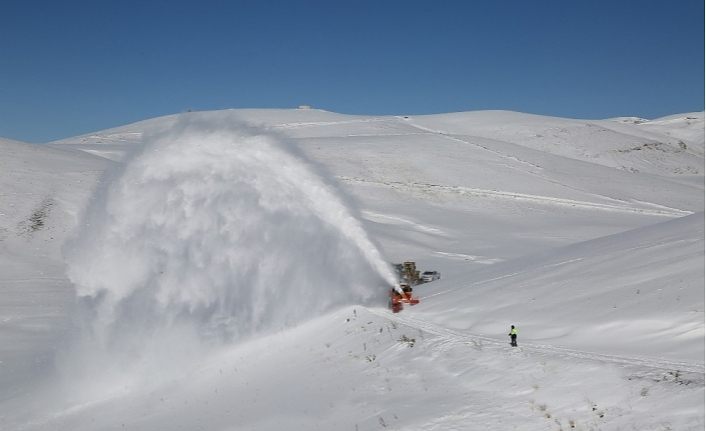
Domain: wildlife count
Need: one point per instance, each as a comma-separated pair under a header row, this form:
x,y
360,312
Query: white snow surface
x,y
228,270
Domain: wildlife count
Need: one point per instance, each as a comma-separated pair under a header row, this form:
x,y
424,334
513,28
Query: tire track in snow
x,y
398,220
546,200
455,337
463,141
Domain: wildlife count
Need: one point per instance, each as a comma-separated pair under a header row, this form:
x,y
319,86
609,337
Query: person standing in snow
x,y
513,336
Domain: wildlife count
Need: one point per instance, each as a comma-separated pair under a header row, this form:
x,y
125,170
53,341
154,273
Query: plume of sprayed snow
x,y
213,233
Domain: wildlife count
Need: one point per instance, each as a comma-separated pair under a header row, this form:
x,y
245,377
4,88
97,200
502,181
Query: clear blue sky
x,y
71,67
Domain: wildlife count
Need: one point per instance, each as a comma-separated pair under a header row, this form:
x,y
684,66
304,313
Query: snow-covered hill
x,y
42,193
670,145
228,284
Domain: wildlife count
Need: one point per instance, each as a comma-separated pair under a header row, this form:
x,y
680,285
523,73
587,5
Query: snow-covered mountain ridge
x,y
605,142
588,235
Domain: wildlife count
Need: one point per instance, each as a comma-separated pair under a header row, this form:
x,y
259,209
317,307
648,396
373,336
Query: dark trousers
x,y
513,340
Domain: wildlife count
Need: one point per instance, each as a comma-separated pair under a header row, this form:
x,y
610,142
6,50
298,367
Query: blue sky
x,y
71,67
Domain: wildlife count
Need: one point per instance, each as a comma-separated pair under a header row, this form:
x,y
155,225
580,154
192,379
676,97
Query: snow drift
x,y
212,233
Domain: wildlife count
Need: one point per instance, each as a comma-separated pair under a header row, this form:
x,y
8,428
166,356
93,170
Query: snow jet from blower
x,y
213,233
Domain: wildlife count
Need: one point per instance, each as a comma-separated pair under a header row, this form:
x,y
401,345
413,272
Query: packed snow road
x,y
451,336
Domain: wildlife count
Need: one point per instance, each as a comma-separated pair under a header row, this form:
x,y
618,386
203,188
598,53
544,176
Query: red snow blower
x,y
400,297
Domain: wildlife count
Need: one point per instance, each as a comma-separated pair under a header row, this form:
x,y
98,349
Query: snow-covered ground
x,y
227,270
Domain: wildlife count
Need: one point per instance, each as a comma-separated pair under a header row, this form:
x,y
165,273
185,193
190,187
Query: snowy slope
x,y
42,194
39,181
582,233
670,145
367,370
652,146
636,292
